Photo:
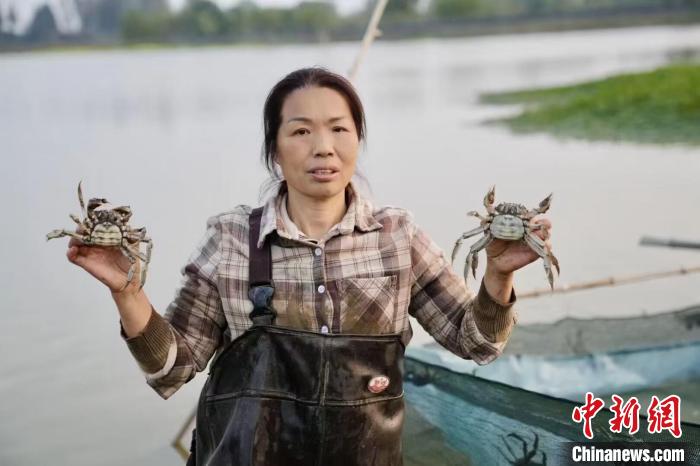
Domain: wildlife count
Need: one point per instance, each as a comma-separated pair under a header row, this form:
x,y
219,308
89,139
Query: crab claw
x,y
544,205
555,262
489,199
80,198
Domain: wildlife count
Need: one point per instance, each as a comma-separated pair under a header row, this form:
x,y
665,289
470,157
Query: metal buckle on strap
x,y
261,295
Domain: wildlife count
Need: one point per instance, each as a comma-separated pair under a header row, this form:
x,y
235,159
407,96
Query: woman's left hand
x,y
505,257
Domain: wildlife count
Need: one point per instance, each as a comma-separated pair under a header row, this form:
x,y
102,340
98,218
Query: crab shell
x,y
106,234
509,222
507,227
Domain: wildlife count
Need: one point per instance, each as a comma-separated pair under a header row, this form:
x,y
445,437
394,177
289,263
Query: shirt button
x,y
321,288
318,251
324,329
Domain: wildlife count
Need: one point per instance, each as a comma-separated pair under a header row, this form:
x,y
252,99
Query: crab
x,y
511,222
107,225
528,456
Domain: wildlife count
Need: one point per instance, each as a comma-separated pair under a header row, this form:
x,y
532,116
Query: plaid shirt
x,y
367,274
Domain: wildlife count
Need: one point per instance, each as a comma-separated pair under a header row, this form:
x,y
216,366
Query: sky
x,y
343,6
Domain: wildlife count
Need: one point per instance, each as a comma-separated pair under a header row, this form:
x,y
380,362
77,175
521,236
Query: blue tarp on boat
x,y
517,410
474,421
572,376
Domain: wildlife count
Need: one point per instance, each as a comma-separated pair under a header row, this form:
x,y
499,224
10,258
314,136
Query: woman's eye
x,y
299,130
340,128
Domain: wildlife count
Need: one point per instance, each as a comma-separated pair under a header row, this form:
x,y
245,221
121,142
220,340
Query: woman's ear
x,y
277,168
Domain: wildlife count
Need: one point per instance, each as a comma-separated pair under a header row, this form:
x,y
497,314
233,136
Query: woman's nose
x,y
323,144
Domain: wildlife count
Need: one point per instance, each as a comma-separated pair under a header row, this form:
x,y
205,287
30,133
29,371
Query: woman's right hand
x,y
106,263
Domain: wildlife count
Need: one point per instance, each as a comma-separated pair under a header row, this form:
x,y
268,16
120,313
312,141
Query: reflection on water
x,y
176,134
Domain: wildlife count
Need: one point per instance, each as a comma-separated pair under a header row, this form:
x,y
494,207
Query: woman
x,y
340,278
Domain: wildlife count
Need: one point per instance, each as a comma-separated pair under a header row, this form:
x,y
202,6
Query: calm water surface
x,y
176,134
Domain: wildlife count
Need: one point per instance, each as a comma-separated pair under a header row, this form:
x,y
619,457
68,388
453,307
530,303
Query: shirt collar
x,y
358,215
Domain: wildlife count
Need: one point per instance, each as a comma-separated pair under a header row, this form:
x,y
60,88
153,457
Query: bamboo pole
x,y
609,281
177,443
669,243
370,34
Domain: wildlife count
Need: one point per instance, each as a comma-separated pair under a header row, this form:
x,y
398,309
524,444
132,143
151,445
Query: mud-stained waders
x,y
279,396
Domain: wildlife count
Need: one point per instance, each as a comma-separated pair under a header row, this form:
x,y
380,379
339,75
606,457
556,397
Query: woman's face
x,y
317,142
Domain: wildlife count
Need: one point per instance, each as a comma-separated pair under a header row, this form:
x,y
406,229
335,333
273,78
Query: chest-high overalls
x,y
288,397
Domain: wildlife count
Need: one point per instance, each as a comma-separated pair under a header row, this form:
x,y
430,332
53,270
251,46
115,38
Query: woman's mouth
x,y
324,174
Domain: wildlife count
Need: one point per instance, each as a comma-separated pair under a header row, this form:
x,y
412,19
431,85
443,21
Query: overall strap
x,y
260,274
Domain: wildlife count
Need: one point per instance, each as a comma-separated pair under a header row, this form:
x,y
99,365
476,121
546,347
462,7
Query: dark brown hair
x,y
305,77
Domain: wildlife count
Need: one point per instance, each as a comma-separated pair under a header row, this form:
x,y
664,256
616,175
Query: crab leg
x,y
536,443
129,255
132,238
139,254
135,253
547,249
85,224
530,229
540,250
473,255
476,214
512,453
149,247
59,233
524,443
140,236
509,460
464,236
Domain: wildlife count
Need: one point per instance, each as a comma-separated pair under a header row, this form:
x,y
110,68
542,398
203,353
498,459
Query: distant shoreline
x,y
396,31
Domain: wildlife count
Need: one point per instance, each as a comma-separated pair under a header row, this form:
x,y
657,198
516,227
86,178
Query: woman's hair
x,y
305,77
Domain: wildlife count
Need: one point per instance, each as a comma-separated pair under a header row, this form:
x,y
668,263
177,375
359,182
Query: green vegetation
x,y
203,21
661,106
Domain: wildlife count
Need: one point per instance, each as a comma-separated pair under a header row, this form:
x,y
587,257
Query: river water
x,y
177,133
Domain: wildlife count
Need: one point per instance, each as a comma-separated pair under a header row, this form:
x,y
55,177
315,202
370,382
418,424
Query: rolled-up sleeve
x,y
172,348
472,326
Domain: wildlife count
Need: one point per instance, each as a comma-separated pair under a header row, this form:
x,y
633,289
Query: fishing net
x,y
569,336
518,409
460,419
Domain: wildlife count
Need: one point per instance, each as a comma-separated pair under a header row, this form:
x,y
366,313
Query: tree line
x,y
203,20
139,21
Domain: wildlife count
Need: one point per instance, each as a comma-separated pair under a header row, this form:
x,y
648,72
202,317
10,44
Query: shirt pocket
x,y
368,305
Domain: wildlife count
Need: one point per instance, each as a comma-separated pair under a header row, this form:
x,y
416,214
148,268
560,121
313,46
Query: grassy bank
x,y
658,107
